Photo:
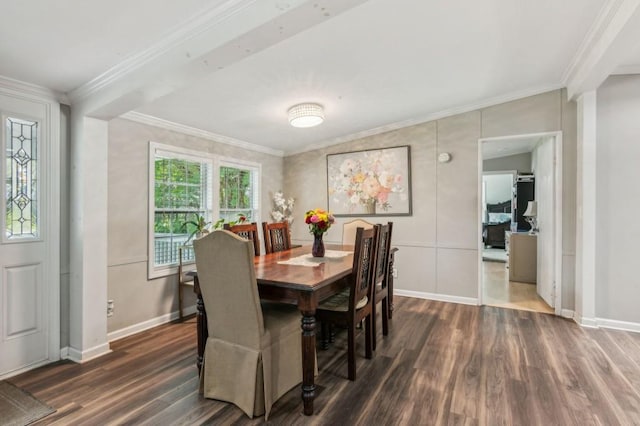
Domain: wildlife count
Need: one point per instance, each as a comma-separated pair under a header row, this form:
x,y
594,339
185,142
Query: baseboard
x,y
568,313
64,352
618,325
585,322
145,325
436,296
89,354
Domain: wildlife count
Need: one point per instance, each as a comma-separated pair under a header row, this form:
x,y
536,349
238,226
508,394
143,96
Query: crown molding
x,y
430,117
197,25
605,46
592,38
627,69
203,134
192,131
32,90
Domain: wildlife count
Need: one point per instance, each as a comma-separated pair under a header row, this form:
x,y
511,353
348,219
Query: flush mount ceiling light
x,y
306,115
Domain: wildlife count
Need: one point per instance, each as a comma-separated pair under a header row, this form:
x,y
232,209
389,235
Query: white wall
x,y
438,243
618,199
136,298
519,162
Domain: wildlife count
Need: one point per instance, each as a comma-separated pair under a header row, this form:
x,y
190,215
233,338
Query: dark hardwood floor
x,y
441,364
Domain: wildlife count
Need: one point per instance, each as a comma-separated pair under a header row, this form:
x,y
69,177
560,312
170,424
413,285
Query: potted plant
x,y
200,227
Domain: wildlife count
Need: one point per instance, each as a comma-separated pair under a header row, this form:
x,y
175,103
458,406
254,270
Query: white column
x,y
586,211
88,238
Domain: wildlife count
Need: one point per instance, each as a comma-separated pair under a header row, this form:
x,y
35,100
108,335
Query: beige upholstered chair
x,y
253,354
349,230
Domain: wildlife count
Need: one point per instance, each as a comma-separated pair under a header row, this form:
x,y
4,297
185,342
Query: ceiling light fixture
x,y
306,115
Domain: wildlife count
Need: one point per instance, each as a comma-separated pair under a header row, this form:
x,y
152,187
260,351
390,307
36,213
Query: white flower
x,y
283,208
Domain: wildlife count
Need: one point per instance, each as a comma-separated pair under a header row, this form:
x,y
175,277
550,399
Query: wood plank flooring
x,y
441,364
497,290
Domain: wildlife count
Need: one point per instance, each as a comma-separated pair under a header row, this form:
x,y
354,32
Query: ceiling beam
x,y
615,34
207,43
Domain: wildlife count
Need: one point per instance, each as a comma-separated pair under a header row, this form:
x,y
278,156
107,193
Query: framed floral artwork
x,y
375,182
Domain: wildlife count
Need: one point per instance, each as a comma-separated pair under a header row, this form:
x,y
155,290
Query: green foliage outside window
x,y
236,193
178,193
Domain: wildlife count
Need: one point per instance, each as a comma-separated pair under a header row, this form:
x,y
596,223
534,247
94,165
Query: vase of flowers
x,y
319,222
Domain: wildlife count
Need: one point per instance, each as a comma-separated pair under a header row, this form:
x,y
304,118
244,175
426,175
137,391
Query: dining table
x,y
294,277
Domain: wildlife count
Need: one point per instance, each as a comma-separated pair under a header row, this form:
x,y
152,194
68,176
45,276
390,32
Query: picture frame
x,y
373,182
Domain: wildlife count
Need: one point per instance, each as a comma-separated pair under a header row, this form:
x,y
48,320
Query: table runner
x,y
309,260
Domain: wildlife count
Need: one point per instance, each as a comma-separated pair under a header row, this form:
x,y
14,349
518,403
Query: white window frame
x,y
213,190
256,170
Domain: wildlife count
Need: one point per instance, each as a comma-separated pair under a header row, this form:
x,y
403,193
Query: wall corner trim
x,y
80,357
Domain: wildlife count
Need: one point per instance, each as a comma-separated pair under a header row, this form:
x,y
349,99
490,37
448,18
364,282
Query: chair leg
x,y
180,314
369,338
385,316
351,352
373,325
324,343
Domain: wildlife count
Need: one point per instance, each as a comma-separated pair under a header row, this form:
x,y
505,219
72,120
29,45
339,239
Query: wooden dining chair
x,y
184,281
276,236
354,304
248,231
349,230
381,280
252,354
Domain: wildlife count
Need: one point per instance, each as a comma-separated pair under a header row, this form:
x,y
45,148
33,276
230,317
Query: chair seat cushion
x,y
340,302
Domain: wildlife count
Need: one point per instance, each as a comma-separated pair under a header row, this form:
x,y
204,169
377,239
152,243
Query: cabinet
x,y
523,257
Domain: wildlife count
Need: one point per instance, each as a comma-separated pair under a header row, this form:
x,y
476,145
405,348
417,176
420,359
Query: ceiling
x,y
374,65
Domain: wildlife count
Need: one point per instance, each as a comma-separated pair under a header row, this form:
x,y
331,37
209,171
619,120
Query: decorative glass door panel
x,y
21,180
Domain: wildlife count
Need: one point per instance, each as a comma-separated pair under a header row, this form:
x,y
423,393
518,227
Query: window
x,y
238,192
182,184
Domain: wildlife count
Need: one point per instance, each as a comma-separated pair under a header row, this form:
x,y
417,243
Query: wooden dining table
x,y
304,286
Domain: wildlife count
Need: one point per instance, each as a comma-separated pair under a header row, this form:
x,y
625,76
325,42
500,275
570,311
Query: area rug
x,y
19,407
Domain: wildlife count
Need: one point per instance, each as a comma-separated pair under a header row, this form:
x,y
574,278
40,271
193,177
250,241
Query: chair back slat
x,y
364,258
248,231
276,236
384,253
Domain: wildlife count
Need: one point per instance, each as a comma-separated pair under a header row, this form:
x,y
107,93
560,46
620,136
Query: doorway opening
x,y
521,188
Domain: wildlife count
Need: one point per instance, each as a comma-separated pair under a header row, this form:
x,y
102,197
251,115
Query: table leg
x,y
308,360
201,323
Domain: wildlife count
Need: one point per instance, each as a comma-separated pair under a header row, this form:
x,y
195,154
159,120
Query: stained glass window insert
x,y
21,179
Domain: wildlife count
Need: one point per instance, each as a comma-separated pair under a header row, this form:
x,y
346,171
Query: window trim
x,y
215,161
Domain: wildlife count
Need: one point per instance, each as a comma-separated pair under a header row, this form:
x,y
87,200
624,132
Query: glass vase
x,y
318,246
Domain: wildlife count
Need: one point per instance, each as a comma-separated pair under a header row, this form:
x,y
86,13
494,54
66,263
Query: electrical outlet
x,y
394,272
110,308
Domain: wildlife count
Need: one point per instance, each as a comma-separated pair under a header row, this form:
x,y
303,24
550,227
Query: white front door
x,y
29,235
